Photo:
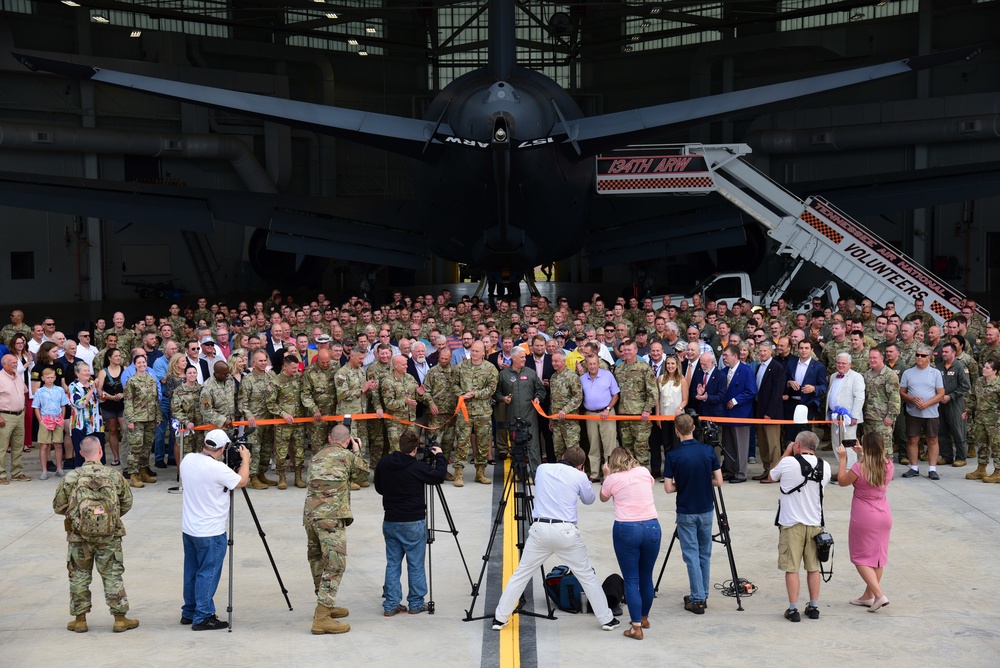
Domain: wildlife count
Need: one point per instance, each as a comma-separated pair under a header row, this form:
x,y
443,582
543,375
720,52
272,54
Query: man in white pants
x,y
554,532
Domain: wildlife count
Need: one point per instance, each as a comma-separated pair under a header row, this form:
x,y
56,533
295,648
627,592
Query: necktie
x,y
729,377
656,371
840,375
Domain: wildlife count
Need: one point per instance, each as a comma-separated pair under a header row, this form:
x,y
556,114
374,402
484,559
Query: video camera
x,y
705,431
424,454
231,455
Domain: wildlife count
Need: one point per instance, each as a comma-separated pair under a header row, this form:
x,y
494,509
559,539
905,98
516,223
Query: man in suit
x,y
806,384
847,390
735,390
541,363
418,366
701,380
769,405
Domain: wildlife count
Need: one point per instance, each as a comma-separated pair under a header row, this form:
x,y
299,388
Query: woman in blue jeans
x,y
636,533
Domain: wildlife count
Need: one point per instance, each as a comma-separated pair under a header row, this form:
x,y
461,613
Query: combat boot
x,y
135,480
78,625
481,475
958,463
149,473
971,453
323,621
123,623
978,474
458,477
256,484
145,477
355,487
449,477
993,477
262,476
281,479
299,482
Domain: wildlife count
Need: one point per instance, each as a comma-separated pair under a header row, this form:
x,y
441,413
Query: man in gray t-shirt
x,y
921,388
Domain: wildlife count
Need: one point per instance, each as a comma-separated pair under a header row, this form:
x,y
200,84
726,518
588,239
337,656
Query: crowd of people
x,y
927,392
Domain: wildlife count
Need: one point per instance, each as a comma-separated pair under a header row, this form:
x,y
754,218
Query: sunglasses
x,y
921,355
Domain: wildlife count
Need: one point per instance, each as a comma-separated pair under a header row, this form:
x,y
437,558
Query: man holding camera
x,y
692,469
558,487
400,479
803,476
326,515
205,509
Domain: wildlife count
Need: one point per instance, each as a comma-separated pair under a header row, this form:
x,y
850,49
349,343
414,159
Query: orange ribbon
x,y
670,418
340,418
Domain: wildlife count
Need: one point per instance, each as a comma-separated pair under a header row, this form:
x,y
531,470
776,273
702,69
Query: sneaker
x,y
210,623
687,599
697,607
416,611
933,475
497,624
399,609
161,465
752,460
792,615
911,473
44,476
186,621
812,612
60,473
612,625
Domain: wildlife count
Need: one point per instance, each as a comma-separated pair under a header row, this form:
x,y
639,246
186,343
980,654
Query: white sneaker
x,y
44,476
60,473
752,460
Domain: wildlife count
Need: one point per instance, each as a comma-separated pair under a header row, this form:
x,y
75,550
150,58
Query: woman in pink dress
x,y
871,517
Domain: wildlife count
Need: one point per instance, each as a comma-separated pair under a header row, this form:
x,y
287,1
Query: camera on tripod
x,y
705,431
425,453
231,455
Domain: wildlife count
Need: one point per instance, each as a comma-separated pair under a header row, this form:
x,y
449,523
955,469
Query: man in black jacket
x,y
400,479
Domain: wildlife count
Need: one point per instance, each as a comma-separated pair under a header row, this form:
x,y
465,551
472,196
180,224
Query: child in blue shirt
x,y
48,403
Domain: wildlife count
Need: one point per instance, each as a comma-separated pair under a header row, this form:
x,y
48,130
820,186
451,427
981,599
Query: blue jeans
x,y
163,440
695,534
636,545
203,557
409,539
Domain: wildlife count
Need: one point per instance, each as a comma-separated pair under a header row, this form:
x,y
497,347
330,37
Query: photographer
x,y
400,478
800,518
692,469
207,482
326,515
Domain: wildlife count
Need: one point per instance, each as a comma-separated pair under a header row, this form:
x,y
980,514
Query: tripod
x,y
263,539
430,492
721,537
516,484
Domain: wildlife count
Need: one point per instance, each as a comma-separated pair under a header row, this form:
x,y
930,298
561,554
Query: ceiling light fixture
x,y
331,15
857,16
645,23
97,18
70,3
655,10
371,30
352,42
136,33
627,48
362,52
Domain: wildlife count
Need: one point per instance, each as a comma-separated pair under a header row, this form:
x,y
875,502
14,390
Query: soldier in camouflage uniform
x,y
203,312
142,414
376,428
907,345
985,433
882,400
477,380
326,516
184,406
85,552
352,390
251,404
285,401
441,389
517,386
319,396
638,397
859,352
400,396
565,396
16,325
218,401
176,320
126,338
838,343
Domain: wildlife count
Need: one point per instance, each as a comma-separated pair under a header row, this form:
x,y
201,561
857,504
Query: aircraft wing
x,y
345,228
596,134
405,136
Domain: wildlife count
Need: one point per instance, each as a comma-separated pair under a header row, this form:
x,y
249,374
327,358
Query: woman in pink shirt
x,y
636,532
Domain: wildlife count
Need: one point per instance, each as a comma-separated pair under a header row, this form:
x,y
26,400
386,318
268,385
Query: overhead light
x,y
857,16
70,3
97,18
882,3
352,42
322,2
370,30
655,10
645,23
136,33
635,38
362,52
331,15
627,48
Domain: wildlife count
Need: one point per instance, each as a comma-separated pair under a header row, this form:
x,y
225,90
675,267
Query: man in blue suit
x,y
706,377
806,385
735,390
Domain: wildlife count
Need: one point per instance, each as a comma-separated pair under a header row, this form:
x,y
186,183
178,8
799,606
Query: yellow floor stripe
x,y
510,639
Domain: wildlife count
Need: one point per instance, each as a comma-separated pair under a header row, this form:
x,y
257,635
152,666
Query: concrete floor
x,y
939,579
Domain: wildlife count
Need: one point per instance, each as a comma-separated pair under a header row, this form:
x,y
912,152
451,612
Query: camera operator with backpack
x,y
803,476
93,498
